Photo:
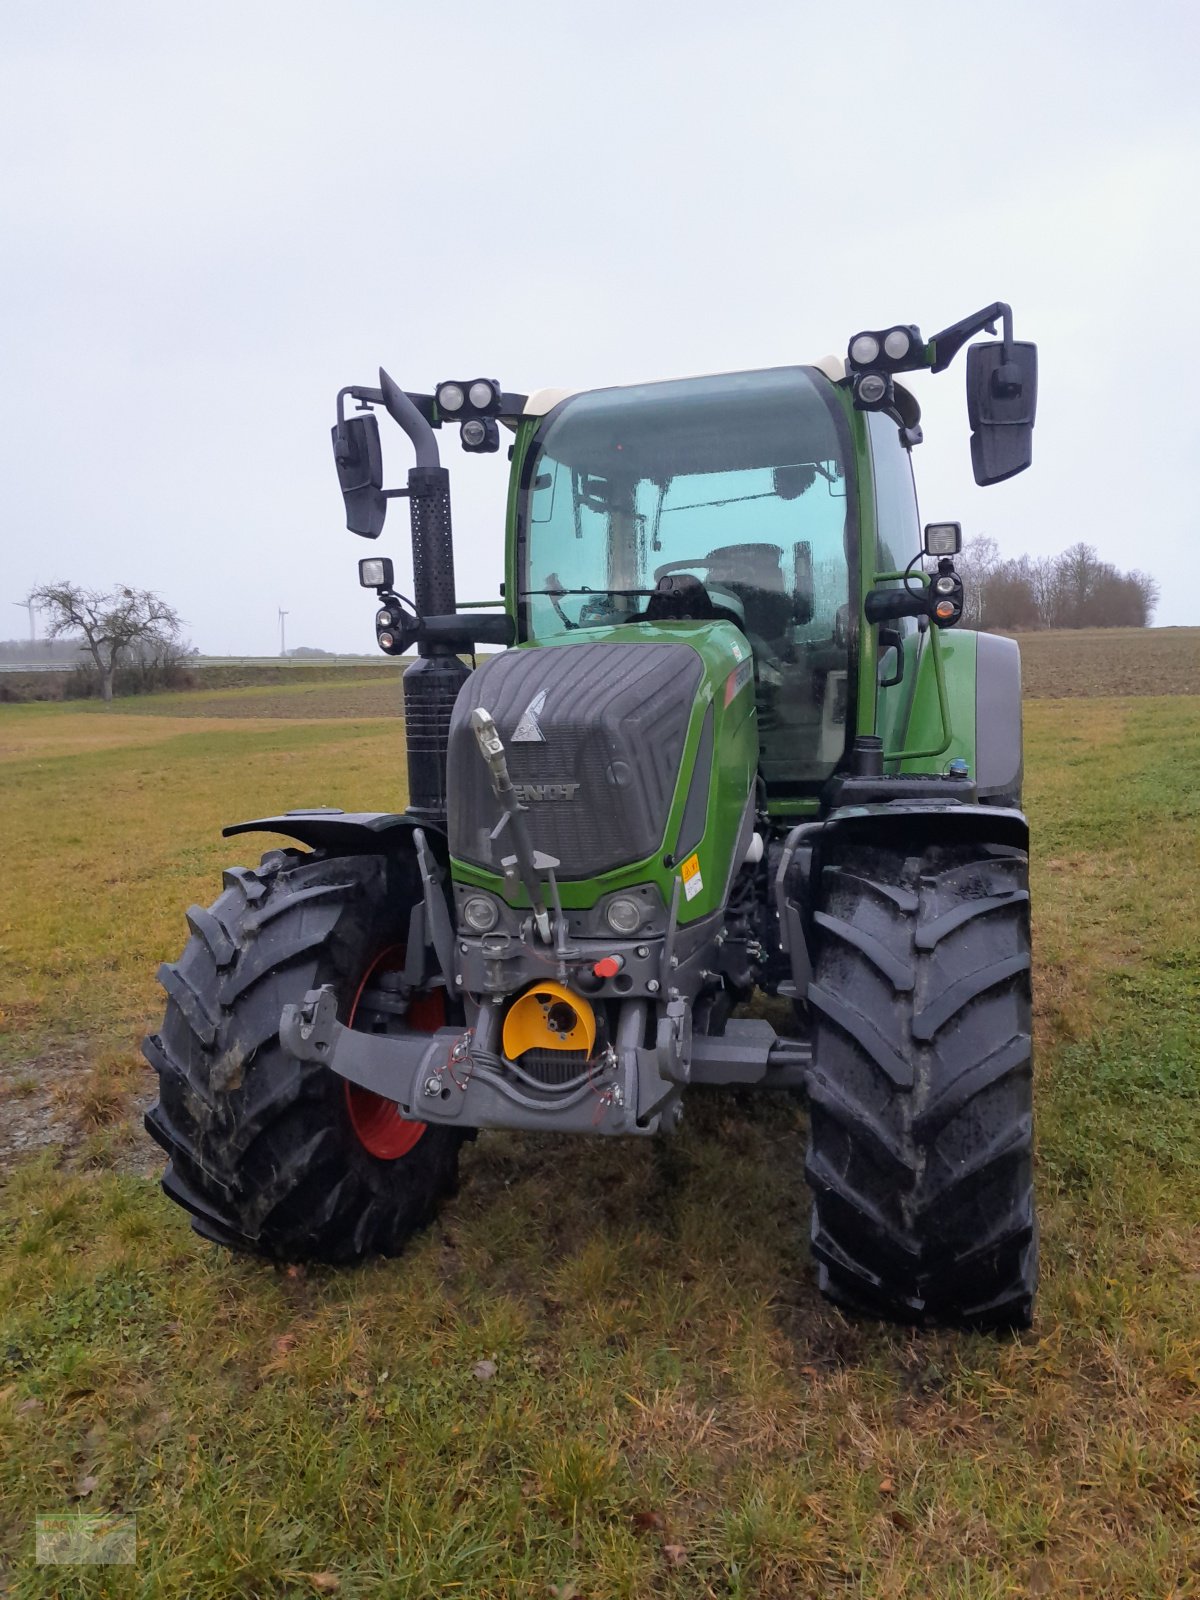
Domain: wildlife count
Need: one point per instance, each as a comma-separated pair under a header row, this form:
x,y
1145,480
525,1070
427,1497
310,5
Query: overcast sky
x,y
214,215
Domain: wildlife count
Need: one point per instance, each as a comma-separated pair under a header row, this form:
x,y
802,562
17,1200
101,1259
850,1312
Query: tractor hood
x,y
594,735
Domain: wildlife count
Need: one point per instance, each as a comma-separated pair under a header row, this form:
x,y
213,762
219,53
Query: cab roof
x,y
543,400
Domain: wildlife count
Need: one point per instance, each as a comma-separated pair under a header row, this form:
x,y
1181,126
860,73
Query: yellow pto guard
x,y
549,1017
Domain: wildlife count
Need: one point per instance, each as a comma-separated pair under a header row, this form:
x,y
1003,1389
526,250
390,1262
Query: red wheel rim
x,y
377,1121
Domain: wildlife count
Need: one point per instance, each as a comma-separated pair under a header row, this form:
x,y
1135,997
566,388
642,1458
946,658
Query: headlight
x,y
474,432
896,344
480,914
450,397
481,394
871,388
623,916
864,348
383,619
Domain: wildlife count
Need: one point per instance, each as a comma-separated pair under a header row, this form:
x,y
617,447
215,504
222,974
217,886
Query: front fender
x,y
929,821
342,832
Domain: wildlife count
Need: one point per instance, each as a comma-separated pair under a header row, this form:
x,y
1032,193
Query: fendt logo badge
x,y
527,792
528,730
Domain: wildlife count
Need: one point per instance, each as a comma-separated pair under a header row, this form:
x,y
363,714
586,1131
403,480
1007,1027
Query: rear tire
x,y
263,1148
921,1143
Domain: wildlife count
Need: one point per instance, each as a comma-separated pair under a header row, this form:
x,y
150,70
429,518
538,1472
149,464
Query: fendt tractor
x,y
732,741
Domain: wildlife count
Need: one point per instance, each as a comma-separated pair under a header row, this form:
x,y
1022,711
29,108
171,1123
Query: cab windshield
x,y
722,496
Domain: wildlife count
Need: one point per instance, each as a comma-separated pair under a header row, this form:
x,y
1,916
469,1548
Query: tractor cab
x,y
683,503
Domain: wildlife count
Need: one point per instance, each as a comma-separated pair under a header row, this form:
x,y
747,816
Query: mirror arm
x,y
949,342
405,409
366,399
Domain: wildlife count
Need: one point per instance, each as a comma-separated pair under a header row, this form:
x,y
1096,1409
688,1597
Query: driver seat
x,y
754,573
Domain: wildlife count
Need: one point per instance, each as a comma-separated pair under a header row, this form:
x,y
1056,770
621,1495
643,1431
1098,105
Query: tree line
x,y
1073,590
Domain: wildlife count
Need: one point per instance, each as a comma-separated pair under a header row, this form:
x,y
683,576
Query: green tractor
x,y
733,743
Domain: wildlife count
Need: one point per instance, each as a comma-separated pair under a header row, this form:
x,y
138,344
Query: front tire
x,y
921,1143
270,1154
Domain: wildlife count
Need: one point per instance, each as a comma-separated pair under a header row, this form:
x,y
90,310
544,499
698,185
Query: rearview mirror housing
x,y
358,456
1002,406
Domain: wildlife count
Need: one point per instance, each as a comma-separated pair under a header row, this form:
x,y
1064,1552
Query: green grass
x,y
674,1411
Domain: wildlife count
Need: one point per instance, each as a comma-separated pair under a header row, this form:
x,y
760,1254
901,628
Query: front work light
x,y
375,572
886,350
469,397
484,394
942,538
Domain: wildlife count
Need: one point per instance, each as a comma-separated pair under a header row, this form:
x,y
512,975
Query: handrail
x,y
939,675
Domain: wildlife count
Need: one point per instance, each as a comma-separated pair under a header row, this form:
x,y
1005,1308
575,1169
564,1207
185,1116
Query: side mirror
x,y
802,582
1002,405
358,457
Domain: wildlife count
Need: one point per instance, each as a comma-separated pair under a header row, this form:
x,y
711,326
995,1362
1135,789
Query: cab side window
x,y
895,496
898,520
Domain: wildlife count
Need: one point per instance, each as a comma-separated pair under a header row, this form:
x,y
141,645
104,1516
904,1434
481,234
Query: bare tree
x,y
978,560
1008,599
1148,589
1072,590
120,626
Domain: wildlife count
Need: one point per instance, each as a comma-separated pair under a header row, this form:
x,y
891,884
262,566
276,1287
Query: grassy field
x,y
606,1371
205,676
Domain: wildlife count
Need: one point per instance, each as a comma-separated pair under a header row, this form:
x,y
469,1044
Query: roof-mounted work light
x,y
898,349
465,399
